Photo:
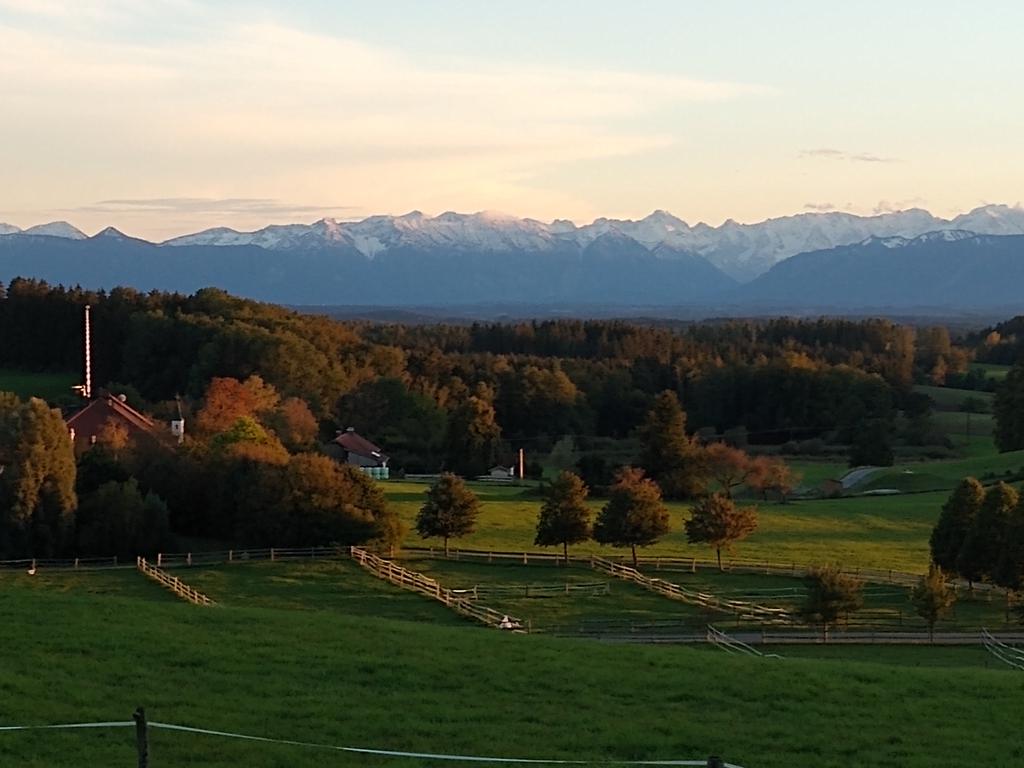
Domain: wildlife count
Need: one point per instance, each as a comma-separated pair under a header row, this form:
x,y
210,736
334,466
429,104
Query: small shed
x,y
502,473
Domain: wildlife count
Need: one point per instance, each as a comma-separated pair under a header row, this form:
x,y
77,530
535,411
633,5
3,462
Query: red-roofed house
x,y
86,424
360,452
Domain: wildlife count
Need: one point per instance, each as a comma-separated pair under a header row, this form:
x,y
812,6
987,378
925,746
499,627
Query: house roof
x,y
355,443
109,405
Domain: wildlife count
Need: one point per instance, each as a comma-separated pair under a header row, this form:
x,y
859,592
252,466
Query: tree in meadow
x,y
564,517
450,512
932,598
716,520
635,515
831,594
980,552
954,522
669,456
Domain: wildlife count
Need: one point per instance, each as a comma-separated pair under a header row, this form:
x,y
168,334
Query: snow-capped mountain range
x,y
742,251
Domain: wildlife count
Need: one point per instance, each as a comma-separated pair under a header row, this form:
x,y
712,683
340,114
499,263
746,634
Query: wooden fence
x,y
173,583
461,603
588,589
738,608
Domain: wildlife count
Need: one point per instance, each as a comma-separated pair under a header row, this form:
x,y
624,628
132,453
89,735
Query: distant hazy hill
x,y
957,270
611,269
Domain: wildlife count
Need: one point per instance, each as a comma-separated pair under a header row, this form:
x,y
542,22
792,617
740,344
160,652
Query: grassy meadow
x,y
48,386
92,647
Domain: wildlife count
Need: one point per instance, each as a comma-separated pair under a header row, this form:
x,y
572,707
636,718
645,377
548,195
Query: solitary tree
x,y
932,598
954,522
716,520
669,456
450,511
634,515
564,517
830,595
981,548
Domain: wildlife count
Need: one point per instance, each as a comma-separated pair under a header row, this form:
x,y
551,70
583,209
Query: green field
x,y
877,532
92,647
949,399
992,370
49,386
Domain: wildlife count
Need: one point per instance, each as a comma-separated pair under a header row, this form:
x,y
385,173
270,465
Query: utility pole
x,y
141,737
522,464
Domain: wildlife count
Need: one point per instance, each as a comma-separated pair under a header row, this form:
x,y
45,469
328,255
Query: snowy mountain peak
x,y
9,229
56,229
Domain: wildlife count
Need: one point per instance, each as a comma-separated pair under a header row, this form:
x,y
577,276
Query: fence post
x,y
76,562
188,558
231,555
271,554
115,559
141,737
159,559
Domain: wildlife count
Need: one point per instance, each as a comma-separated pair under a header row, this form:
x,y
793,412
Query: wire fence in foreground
x,y
142,726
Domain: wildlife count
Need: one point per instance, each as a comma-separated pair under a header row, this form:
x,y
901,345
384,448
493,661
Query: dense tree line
x,y
459,397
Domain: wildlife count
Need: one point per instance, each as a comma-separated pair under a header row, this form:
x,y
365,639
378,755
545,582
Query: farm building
x,y
360,452
501,473
104,412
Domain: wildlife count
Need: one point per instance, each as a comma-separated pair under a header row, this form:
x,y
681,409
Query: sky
x,y
162,117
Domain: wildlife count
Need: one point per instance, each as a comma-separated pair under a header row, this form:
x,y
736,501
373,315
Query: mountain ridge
x,y
742,251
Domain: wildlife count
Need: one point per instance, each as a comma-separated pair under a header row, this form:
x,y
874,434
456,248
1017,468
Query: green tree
x,y
635,515
932,598
1009,568
473,437
564,517
313,499
1008,410
669,456
980,552
716,520
954,522
450,511
872,446
118,519
37,484
831,594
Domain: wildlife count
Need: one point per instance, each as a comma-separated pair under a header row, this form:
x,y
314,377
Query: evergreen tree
x,y
716,520
669,456
450,511
980,552
1008,410
564,517
954,522
634,515
831,594
932,598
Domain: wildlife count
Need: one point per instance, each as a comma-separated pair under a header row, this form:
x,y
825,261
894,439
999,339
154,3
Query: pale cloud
x,y
265,111
892,206
826,153
820,207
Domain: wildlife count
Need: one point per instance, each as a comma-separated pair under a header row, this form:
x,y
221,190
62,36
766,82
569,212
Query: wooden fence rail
x,y
417,582
173,583
738,608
